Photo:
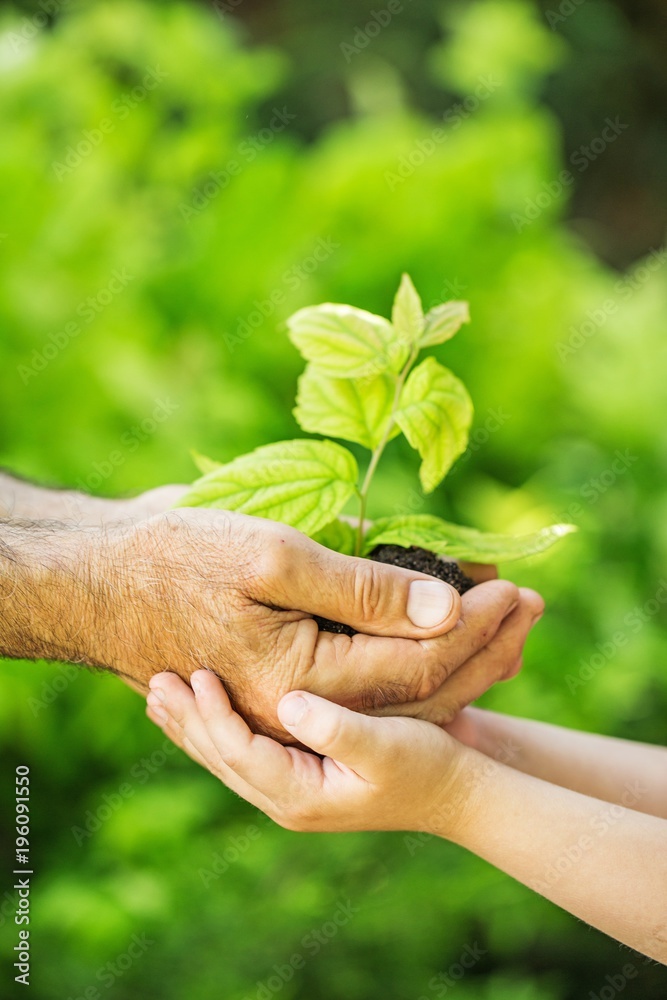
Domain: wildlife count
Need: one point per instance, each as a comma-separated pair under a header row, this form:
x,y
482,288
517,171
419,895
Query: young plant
x,y
362,384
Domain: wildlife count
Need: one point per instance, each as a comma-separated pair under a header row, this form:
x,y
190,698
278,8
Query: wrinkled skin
x,y
235,594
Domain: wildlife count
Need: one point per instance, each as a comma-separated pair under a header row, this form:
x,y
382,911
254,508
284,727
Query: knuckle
x,y
274,552
436,666
507,593
430,675
176,713
533,601
368,589
294,813
330,737
515,669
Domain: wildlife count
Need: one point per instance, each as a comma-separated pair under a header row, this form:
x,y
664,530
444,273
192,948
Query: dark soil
x,y
420,560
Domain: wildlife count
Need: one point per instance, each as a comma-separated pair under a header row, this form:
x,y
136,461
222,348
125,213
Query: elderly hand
x,y
236,594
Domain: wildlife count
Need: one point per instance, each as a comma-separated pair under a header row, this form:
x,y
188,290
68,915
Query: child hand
x,y
377,773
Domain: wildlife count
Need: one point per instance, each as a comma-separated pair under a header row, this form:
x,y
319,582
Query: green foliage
x,y
302,483
435,413
345,342
428,403
358,410
203,463
458,542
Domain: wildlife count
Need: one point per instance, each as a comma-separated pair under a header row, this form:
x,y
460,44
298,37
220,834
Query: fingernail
x,y
159,693
154,701
429,603
195,684
292,709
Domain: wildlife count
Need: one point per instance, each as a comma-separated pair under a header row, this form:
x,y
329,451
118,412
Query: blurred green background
x,y
137,267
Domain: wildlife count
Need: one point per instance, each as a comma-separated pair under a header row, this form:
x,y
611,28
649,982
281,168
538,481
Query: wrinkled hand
x,y
376,774
236,594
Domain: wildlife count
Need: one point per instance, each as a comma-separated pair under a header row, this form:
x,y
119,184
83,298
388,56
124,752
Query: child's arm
x,y
630,774
604,863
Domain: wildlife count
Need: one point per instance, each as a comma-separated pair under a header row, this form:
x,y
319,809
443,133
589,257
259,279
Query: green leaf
x,y
203,463
430,532
345,342
301,483
353,409
407,315
443,321
435,414
339,536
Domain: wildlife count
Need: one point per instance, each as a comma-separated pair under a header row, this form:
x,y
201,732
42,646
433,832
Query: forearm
x,y
49,593
23,501
605,864
617,771
59,599
99,596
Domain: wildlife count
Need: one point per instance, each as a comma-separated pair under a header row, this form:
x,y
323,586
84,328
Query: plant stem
x,y
377,453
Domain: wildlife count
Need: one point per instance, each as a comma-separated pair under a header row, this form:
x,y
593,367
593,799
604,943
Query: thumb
x,y
348,737
372,597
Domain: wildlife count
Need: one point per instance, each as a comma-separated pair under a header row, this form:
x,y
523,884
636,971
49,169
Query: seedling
x,y
362,383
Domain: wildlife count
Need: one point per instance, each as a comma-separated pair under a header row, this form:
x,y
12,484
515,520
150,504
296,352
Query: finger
x,y
499,660
265,768
172,698
172,702
370,672
360,742
374,598
479,572
176,735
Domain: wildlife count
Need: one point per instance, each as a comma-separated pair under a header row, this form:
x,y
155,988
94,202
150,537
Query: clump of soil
x,y
414,558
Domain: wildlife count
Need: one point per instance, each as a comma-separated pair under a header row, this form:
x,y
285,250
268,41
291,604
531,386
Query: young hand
x,y
376,773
